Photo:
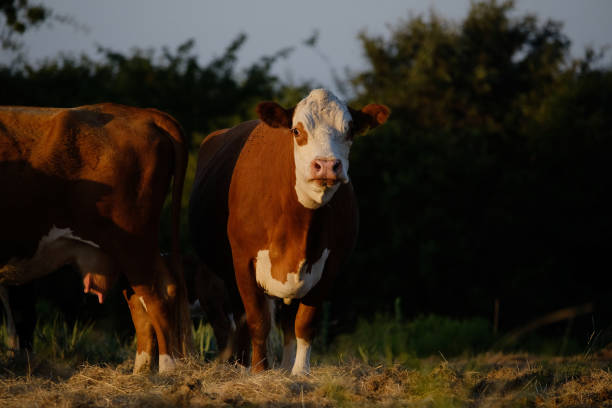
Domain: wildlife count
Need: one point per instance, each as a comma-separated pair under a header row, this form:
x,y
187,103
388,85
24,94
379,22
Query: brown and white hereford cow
x,y
273,212
85,186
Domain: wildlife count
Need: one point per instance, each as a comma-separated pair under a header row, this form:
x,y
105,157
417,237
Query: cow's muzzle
x,y
329,170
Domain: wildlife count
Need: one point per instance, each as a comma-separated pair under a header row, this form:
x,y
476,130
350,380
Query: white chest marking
x,y
298,283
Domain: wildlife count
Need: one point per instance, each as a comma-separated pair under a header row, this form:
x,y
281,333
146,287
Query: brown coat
x,y
86,186
245,214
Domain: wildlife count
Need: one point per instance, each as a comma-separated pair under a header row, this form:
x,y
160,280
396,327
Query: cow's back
x,y
82,168
85,186
208,205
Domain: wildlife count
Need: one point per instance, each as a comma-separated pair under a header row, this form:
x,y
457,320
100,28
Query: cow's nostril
x,y
337,166
316,166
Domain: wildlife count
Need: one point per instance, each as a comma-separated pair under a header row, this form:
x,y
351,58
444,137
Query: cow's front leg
x,y
257,313
305,323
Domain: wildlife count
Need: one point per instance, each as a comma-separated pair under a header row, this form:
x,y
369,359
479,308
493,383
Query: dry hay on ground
x,y
490,380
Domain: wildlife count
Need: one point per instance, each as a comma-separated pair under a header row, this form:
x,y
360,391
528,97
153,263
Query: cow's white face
x,y
321,125
322,128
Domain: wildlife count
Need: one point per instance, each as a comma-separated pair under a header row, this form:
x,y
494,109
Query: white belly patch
x,y
48,256
57,233
297,285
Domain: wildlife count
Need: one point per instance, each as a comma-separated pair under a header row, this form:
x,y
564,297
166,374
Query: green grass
x,y
56,340
393,341
383,339
204,340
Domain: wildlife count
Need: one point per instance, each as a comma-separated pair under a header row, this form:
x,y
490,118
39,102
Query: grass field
x,y
487,380
77,367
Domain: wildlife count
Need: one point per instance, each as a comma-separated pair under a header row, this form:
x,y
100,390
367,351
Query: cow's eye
x,y
295,132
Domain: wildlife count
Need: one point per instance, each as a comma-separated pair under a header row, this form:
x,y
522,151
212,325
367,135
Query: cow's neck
x,y
297,219
277,226
296,238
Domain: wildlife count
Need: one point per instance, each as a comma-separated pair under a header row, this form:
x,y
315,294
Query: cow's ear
x,y
369,117
275,115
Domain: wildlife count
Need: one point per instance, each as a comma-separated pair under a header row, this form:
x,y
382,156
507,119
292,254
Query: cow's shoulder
x,y
226,141
220,149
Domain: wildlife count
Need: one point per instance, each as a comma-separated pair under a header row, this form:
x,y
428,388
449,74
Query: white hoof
x,y
166,363
142,363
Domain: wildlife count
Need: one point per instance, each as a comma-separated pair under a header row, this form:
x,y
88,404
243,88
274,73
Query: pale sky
x,y
275,24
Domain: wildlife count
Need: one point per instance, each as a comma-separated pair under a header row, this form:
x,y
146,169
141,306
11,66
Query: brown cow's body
x,y
249,226
85,186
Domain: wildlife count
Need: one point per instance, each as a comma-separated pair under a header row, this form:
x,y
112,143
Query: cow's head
x,y
322,128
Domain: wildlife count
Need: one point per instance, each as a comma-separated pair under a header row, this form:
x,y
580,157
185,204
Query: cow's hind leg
x,y
11,331
155,289
287,322
145,333
240,341
214,300
99,273
158,311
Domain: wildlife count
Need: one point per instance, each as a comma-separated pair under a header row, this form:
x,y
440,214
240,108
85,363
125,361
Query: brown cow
x,y
85,186
273,212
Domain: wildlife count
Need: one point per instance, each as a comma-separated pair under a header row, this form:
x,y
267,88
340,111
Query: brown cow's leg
x,y
12,338
258,322
240,342
287,321
159,313
214,300
157,297
257,314
305,323
145,334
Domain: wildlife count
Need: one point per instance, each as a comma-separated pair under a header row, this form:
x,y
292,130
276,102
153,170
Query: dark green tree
x,y
19,16
203,98
490,180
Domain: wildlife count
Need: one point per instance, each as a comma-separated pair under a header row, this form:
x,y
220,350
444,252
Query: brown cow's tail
x,y
177,137
174,130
